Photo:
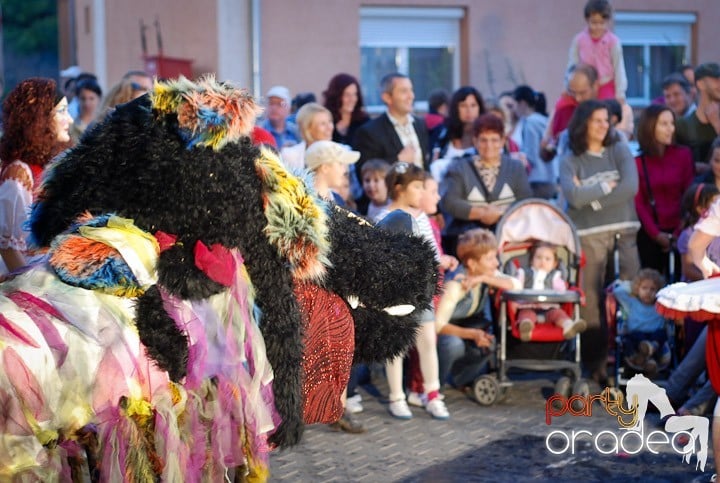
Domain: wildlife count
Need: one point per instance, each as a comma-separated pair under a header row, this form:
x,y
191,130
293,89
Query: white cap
x,y
71,72
325,152
280,91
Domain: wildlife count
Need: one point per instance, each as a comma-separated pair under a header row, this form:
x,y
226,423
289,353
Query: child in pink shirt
x,y
598,46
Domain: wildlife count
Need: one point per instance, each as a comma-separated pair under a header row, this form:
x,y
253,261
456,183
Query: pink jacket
x,y
605,54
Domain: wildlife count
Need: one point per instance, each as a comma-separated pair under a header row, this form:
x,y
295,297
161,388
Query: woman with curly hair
x,y
344,100
36,127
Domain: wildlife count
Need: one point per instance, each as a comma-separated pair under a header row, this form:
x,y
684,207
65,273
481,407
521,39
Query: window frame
x,y
399,28
653,29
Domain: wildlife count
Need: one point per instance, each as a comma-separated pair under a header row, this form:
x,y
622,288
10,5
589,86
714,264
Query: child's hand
x,y
708,268
482,338
448,262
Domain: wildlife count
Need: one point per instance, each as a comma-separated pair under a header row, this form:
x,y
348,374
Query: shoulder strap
x,y
649,190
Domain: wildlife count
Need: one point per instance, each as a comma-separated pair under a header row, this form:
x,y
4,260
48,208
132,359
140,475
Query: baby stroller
x,y
616,320
525,223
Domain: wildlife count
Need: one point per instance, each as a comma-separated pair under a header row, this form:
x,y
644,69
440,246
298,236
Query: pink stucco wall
x,y
188,30
304,42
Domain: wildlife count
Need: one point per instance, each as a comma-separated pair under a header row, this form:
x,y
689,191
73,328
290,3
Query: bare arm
x,y
699,241
13,258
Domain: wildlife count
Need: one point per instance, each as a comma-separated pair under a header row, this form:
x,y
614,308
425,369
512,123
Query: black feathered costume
x,y
170,239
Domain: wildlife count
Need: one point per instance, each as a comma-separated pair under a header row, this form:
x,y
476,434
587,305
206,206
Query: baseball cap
x,y
280,91
324,152
709,69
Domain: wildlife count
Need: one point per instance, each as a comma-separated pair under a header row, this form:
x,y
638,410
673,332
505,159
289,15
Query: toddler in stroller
x,y
544,273
644,338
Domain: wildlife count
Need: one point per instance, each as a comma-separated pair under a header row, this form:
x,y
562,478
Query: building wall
x,y
304,43
188,29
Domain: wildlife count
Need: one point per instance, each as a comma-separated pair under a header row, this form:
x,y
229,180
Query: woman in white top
x,y
36,127
315,123
466,105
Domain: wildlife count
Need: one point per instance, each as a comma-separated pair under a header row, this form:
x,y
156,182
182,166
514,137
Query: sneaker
x,y
526,326
665,356
353,404
399,409
437,409
417,399
573,328
347,424
420,399
636,361
647,348
650,369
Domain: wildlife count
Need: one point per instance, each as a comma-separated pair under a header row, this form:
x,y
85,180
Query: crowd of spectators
x,y
630,192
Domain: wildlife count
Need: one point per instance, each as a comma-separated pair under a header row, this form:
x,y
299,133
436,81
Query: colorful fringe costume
x,y
190,314
69,355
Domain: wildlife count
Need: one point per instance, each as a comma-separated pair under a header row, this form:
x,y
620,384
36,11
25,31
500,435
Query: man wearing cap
x,y
329,163
276,113
396,135
698,130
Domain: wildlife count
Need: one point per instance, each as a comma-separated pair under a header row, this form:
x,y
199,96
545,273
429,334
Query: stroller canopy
x,y
537,219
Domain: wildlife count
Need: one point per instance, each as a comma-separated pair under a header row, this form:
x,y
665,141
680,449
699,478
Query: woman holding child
x,y
599,181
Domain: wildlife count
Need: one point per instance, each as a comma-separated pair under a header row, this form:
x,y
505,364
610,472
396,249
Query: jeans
x,y
687,372
461,361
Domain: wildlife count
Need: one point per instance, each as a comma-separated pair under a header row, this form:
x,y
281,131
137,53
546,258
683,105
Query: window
x,y
419,42
654,45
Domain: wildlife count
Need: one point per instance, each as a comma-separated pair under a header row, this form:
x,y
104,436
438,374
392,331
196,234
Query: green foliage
x,y
30,25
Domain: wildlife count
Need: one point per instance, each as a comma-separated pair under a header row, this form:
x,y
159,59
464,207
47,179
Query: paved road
x,y
504,442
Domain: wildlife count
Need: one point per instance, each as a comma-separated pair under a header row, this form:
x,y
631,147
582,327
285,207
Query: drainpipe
x,y
257,88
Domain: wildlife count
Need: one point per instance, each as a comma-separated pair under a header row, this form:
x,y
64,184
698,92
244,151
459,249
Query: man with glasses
x,y
277,109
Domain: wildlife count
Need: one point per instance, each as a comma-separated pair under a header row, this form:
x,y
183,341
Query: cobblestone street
x,y
504,442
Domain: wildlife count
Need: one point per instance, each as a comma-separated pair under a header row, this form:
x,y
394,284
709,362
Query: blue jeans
x,y
687,372
461,361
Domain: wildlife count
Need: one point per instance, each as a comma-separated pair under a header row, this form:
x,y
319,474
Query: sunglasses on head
x,y
401,168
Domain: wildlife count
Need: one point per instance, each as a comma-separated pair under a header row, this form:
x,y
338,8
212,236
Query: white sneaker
x,y
399,409
417,399
437,409
420,399
353,404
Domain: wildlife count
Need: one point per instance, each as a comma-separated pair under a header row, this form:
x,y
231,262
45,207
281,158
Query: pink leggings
x,y
553,316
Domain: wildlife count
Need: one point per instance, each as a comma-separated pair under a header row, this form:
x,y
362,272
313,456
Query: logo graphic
x,y
639,393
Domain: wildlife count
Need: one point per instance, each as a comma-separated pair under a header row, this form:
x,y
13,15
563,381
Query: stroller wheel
x,y
563,386
580,388
486,390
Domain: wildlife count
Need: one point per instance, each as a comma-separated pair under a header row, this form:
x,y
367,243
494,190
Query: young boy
x,y
373,174
543,274
646,339
598,46
461,311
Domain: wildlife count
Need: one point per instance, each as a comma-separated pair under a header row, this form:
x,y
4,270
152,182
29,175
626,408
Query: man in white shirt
x,y
396,135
